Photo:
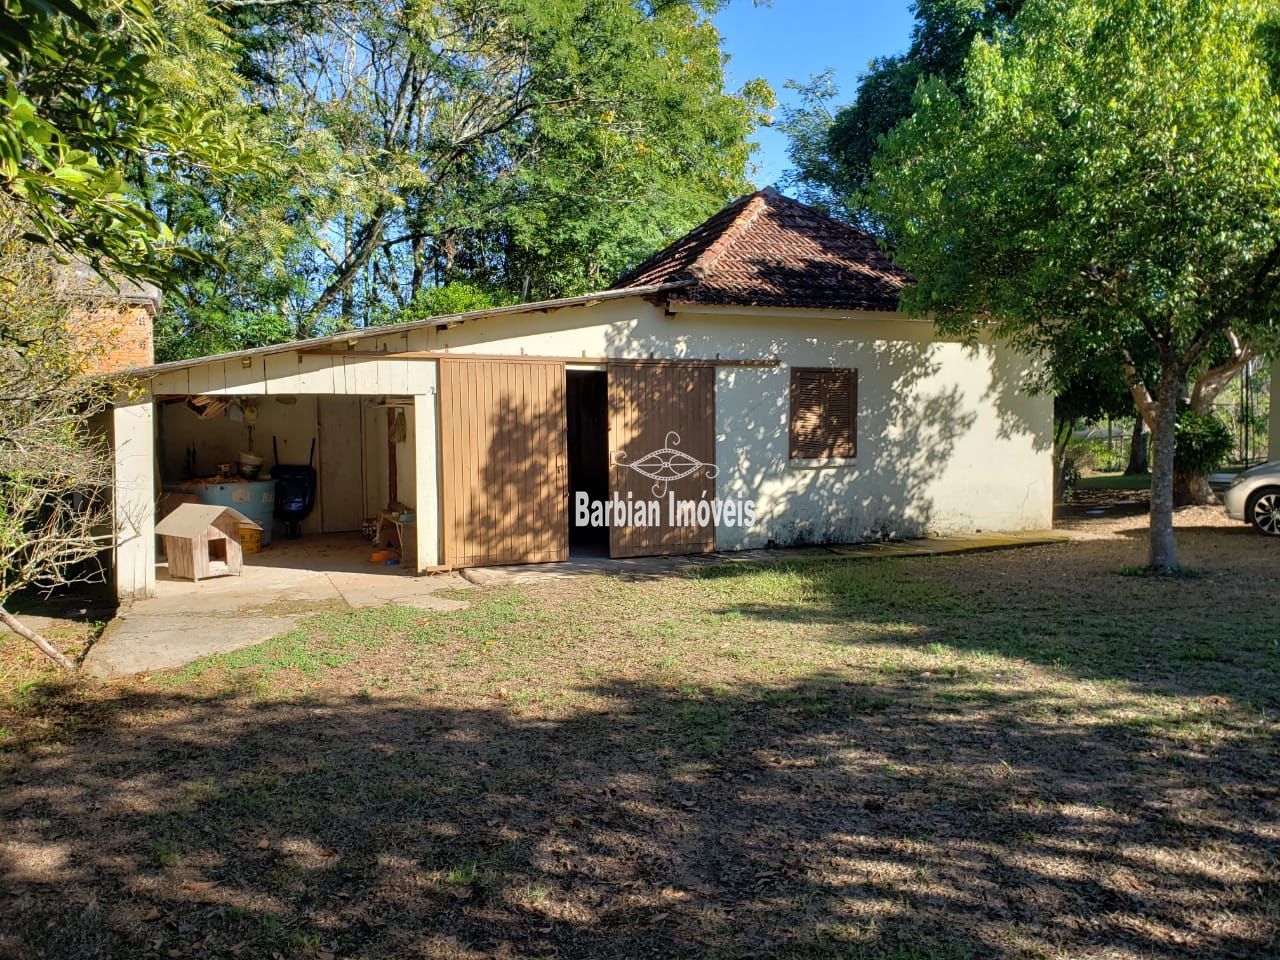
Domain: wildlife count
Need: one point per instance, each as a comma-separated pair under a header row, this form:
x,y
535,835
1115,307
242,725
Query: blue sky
x,y
794,39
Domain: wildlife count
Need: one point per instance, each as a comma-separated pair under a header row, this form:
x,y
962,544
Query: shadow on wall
x,y
908,424
659,821
948,439
1013,380
510,434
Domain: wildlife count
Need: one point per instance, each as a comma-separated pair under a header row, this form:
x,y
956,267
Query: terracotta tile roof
x,y
766,250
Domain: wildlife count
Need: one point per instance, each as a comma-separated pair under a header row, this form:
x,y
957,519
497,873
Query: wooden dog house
x,y
203,540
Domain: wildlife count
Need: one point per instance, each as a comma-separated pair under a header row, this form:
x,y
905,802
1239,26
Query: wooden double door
x,y
504,457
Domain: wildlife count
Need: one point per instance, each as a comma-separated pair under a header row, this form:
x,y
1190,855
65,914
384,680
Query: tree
x,y
55,467
89,113
1114,169
832,150
83,109
1086,386
536,147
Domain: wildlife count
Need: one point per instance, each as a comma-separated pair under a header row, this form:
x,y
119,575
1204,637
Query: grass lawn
x,y
1015,754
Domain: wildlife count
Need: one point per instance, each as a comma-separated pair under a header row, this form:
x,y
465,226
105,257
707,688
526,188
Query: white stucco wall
x,y
948,441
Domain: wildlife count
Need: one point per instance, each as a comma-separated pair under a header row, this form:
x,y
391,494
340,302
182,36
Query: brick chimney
x,y
112,325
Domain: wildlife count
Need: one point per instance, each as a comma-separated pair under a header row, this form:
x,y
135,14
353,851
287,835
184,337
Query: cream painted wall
x,y
375,458
133,452
948,440
406,466
427,494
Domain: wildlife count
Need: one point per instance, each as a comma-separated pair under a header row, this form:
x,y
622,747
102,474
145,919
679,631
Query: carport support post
x,y
426,459
134,450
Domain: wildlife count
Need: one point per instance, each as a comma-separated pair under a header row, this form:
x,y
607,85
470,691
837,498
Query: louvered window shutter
x,y
824,413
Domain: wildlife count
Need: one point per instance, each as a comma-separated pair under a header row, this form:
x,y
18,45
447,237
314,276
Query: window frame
x,y
833,453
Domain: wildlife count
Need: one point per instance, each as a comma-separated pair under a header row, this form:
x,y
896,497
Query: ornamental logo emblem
x,y
665,465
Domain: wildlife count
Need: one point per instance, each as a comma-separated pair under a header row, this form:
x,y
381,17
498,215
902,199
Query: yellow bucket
x,y
250,539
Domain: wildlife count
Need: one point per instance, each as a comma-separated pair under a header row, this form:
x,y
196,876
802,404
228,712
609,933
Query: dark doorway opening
x,y
218,550
587,402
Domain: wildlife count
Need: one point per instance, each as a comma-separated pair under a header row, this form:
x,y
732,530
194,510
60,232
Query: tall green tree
x,y
832,147
85,109
1112,168
530,147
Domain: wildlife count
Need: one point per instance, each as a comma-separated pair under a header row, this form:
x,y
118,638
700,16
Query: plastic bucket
x,y
250,539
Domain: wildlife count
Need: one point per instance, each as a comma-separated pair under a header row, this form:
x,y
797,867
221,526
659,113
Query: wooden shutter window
x,y
824,413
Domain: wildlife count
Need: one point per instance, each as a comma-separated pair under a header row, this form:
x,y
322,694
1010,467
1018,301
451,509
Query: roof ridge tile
x,y
706,262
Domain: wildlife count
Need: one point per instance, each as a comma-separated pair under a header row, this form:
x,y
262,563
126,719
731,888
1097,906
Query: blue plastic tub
x,y
256,499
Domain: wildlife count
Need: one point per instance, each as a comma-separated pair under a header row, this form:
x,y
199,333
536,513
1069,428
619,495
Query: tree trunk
x,y
1163,557
1138,459
1192,489
1063,431
43,645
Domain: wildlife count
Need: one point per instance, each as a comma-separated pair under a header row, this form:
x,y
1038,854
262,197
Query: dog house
x,y
203,540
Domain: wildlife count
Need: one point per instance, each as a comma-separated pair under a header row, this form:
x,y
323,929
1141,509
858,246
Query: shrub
x,y
1203,442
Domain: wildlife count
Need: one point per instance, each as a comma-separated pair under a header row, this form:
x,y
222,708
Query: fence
x,y
1105,449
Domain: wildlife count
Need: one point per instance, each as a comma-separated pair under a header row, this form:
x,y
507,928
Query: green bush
x,y
1203,443
1099,456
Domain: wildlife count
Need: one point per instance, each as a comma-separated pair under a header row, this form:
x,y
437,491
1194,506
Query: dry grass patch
x,y
1018,754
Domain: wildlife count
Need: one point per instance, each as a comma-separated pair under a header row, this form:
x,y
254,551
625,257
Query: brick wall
x,y
115,336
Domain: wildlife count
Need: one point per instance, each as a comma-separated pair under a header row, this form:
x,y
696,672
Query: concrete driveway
x,y
185,621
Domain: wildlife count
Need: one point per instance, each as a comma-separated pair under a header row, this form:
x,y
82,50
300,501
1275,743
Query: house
x,y
753,384
111,321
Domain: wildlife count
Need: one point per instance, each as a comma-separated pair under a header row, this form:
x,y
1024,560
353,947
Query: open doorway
x,y
587,404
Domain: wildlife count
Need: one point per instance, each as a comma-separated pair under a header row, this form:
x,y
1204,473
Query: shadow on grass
x,y
1182,636
820,818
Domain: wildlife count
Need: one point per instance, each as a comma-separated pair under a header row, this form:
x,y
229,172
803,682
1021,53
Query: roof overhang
x,y
676,306
351,337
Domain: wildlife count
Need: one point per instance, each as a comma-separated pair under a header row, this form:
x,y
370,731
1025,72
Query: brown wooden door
x,y
503,461
662,423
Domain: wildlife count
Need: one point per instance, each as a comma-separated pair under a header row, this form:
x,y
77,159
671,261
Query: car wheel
x,y
1264,511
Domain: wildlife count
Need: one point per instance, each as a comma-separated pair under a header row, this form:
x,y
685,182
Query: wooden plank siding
x,y
503,461
647,402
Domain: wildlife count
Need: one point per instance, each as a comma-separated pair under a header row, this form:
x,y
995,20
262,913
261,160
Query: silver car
x,y
1254,497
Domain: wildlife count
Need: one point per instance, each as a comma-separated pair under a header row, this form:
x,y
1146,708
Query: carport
x,y
464,455
355,419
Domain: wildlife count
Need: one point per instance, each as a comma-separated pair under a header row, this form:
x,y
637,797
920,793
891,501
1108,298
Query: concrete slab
x,y
146,642
185,621
596,565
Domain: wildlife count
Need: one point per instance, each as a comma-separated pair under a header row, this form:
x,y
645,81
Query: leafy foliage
x,y
534,148
832,150
84,108
451,298
1204,442
1111,171
55,463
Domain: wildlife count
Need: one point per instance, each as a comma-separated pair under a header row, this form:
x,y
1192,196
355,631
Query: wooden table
x,y
406,537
